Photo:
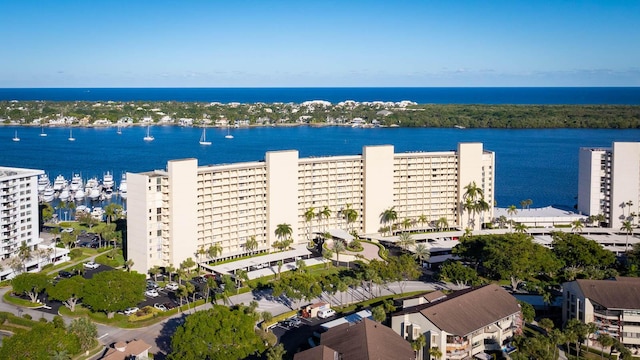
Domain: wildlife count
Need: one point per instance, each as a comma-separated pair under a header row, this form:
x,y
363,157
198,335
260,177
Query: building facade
x,y
463,325
183,211
19,222
613,305
609,182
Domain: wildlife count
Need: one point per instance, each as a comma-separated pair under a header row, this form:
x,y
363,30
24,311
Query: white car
x,y
131,311
91,265
160,307
67,230
152,293
172,286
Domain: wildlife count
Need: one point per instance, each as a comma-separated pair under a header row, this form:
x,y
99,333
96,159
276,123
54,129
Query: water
x,y
433,95
536,164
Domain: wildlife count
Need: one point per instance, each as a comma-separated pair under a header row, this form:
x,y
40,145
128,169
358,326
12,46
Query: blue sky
x,y
238,43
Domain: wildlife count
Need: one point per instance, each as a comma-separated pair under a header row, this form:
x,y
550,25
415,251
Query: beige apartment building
x,y
609,181
173,214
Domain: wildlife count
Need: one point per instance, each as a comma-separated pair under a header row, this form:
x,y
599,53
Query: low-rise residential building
x,y
364,340
613,305
462,325
136,349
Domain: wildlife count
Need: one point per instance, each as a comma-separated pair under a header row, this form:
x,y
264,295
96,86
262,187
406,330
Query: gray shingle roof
x,y
623,293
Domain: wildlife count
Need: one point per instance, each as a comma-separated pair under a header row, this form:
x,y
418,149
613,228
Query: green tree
x,y
283,231
337,248
112,212
218,333
442,223
577,226
214,251
528,312
350,216
276,352
86,332
627,227
111,291
520,228
46,212
69,291
128,265
30,284
309,215
435,353
403,268
85,218
422,253
405,240
578,252
154,271
326,214
187,265
41,342
455,272
606,341
512,210
388,216
379,314
252,244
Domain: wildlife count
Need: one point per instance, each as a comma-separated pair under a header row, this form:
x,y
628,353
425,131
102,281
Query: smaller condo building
x,y
186,209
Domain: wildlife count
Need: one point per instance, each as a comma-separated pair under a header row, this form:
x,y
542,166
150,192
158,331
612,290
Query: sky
x,y
354,43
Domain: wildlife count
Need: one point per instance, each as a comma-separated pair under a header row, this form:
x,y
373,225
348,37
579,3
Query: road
x,y
159,335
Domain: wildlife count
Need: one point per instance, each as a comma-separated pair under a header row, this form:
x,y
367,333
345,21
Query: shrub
x,y
48,266
42,320
3,317
75,253
27,316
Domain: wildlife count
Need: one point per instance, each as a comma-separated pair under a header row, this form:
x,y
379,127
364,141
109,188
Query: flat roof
x,y
353,318
230,267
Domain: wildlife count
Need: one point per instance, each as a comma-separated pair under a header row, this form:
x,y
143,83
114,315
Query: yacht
x,y
94,193
43,182
108,194
119,131
64,194
79,194
123,186
71,138
15,137
59,183
48,194
203,138
76,183
42,133
107,180
148,137
97,213
228,136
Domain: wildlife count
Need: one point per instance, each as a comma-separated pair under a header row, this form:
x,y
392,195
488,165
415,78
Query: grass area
x,y
19,302
123,321
116,262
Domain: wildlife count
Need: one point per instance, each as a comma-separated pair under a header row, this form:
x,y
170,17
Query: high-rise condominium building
x,y
19,220
182,211
609,182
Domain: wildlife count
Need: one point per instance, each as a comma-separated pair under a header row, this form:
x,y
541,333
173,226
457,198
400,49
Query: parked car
x,y
152,284
131,311
91,265
292,322
67,230
326,313
152,293
172,286
160,307
64,274
170,305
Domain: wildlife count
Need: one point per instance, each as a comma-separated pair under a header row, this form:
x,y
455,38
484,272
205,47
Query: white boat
x,y
119,131
228,136
15,137
108,194
64,194
91,183
76,183
107,180
48,194
43,182
42,133
97,213
79,194
203,138
82,209
123,186
94,193
59,183
71,138
148,137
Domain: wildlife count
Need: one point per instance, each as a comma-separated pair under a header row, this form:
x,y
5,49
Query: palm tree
x,y
350,216
628,228
279,263
214,251
520,228
629,204
442,223
388,216
338,247
406,223
169,270
251,244
128,265
326,214
418,344
576,226
405,240
421,252
511,210
481,207
283,232
201,253
154,271
24,253
473,192
605,340
435,353
308,218
112,211
422,219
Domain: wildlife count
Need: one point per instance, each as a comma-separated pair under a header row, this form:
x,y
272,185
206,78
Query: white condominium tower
x,y
609,182
173,214
19,220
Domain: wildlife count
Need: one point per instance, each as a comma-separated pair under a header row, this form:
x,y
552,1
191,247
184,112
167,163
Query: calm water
x,y
536,164
433,95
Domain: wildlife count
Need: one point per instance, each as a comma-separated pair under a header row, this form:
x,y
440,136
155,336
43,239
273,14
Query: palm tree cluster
x,y
473,203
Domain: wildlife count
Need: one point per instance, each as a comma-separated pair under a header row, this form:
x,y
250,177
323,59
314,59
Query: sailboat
x,y
119,131
148,137
71,138
43,134
228,136
203,138
15,137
